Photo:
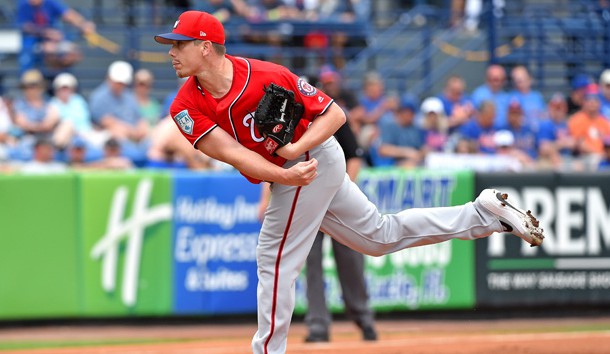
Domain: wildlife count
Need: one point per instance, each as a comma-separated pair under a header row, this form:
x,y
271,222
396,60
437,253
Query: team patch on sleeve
x,y
305,88
185,122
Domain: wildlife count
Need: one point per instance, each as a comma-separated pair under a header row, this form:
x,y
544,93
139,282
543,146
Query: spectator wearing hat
x,y
589,127
505,146
604,96
76,154
401,140
115,108
556,147
34,116
477,135
531,101
150,108
493,90
75,118
577,93
436,126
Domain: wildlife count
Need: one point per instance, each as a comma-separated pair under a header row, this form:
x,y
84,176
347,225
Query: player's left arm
x,y
322,128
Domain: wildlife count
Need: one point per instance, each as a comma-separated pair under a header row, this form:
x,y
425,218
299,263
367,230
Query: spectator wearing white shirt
x,y
43,161
75,118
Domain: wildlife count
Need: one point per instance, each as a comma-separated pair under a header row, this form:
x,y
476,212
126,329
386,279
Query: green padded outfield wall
x,y
39,276
127,246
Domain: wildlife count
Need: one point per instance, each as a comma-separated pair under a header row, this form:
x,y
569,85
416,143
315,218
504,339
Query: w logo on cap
x,y
176,23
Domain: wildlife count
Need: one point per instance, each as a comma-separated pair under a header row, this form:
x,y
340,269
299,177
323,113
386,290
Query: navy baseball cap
x,y
408,102
193,25
78,143
580,81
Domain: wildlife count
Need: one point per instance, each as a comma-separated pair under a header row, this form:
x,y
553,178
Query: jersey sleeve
x,y
193,123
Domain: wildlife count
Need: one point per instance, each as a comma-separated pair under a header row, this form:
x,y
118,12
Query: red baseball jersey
x,y
197,113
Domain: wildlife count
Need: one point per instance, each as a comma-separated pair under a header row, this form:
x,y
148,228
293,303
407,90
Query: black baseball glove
x,y
277,116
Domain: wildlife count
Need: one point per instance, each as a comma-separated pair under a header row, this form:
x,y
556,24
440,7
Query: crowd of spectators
x,y
501,125
50,126
49,122
120,125
50,29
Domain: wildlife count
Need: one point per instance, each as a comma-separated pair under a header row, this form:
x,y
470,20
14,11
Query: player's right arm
x,y
219,145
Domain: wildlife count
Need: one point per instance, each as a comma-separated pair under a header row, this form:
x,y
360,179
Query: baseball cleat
x,y
516,221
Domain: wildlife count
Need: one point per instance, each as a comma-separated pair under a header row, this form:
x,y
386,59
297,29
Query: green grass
x,y
17,345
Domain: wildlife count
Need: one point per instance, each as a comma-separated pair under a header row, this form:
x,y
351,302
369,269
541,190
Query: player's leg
x,y
291,222
317,318
350,270
354,221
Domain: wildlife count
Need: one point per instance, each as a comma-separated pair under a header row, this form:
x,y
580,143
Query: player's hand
x,y
288,151
302,174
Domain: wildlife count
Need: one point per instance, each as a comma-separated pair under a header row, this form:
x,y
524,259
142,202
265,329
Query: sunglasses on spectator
x,y
31,86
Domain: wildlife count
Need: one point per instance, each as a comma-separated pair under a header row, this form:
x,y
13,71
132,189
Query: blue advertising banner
x,y
214,243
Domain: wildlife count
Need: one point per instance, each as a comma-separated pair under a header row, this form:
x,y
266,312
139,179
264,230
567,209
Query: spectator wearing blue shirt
x,y
525,137
75,118
477,135
531,101
556,147
39,22
35,118
378,109
458,107
401,139
493,90
115,108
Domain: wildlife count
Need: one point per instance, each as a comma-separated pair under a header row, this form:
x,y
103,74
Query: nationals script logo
x,y
248,122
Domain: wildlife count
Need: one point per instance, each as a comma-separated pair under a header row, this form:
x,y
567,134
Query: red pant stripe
x,y
279,259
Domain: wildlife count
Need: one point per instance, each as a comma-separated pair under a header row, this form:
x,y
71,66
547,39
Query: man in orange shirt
x,y
588,126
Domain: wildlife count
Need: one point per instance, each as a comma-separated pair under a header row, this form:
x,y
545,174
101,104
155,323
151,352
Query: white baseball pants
x,y
333,203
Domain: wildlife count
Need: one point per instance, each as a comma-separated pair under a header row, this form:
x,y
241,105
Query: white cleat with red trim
x,y
516,221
